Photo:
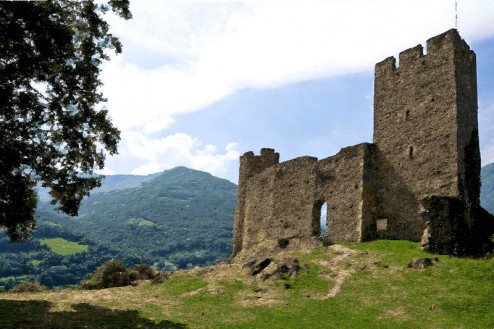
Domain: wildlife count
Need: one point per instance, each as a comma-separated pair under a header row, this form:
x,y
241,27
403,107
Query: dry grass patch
x,y
341,263
395,313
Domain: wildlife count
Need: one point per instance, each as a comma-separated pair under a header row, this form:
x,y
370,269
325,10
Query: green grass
x,y
376,290
64,247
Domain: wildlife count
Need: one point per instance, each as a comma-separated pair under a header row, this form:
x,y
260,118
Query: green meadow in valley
x,y
64,247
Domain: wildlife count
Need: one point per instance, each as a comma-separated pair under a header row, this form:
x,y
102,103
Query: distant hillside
x,y
179,217
487,190
175,219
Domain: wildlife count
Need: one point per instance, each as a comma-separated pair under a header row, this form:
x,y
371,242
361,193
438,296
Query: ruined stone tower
x,y
425,130
420,178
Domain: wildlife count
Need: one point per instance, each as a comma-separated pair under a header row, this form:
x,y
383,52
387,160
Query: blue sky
x,y
200,83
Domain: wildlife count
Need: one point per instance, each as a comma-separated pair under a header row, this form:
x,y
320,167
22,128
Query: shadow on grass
x,y
36,314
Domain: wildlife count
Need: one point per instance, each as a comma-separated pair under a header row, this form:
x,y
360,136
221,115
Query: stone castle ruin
x,y
418,180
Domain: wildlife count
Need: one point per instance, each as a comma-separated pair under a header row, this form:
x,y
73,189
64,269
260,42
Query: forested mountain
x,y
487,190
175,219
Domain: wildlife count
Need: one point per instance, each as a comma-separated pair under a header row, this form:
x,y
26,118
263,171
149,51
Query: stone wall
x,y
456,227
346,181
283,201
250,165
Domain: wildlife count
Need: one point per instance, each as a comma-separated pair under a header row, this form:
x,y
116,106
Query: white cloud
x,y
180,56
207,50
157,154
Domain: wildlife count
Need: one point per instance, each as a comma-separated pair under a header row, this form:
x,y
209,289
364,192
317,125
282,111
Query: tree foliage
x,y
53,128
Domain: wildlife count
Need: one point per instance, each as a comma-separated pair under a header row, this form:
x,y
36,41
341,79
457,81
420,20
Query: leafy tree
x,y
52,128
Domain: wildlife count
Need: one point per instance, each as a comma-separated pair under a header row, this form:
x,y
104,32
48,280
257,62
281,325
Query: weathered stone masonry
x,y
425,145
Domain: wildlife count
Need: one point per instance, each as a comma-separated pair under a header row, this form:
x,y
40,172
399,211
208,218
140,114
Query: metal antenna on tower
x,y
456,14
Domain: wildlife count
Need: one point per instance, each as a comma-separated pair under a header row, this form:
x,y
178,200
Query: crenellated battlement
x,y
411,56
450,40
445,45
251,164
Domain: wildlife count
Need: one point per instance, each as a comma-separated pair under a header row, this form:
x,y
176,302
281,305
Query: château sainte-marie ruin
x,y
419,180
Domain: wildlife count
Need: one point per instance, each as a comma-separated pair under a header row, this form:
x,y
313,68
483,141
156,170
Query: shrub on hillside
x,y
33,286
108,275
161,277
115,274
89,284
143,272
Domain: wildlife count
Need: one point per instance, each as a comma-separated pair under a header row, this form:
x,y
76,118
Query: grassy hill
x,y
364,285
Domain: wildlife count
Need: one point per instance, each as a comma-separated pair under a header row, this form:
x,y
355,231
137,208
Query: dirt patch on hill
x,y
340,266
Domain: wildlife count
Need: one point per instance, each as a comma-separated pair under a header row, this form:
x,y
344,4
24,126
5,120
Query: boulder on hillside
x,y
275,269
421,263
